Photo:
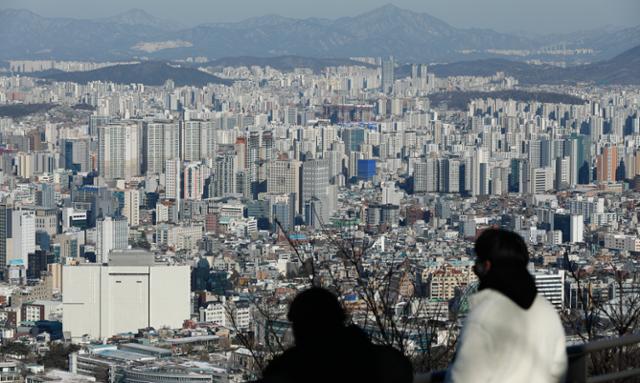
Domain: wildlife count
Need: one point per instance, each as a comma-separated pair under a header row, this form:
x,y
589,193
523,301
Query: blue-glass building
x,y
366,169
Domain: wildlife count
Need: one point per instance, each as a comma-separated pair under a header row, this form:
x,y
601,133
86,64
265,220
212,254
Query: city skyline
x,y
529,18
172,195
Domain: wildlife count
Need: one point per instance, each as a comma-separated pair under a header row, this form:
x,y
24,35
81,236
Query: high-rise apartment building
x,y
131,208
161,141
112,234
606,164
388,67
118,151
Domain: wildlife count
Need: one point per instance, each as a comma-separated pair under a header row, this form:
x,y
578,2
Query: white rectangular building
x,y
129,293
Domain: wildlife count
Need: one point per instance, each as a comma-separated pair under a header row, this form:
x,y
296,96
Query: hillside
x,y
149,73
284,63
460,100
623,69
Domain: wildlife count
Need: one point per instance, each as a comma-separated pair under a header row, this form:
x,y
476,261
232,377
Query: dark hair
x,y
502,248
316,306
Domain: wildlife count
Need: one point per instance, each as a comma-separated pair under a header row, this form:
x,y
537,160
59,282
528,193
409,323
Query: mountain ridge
x,y
153,73
383,31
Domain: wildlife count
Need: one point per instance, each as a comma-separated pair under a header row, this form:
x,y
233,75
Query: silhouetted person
x,y
328,351
512,334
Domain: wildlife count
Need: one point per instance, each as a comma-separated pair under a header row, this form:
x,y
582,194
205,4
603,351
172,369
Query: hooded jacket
x,y
513,339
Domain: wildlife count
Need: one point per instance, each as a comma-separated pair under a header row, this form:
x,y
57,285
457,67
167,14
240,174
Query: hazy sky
x,y
539,16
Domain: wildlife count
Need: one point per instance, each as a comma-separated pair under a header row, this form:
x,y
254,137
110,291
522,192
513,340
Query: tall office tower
x,y
190,139
414,71
577,228
45,196
546,152
5,228
193,181
534,154
388,67
253,157
131,209
315,186
606,164
225,171
128,293
353,138
284,178
23,229
541,180
161,142
75,155
112,234
118,151
282,208
580,150
478,177
515,176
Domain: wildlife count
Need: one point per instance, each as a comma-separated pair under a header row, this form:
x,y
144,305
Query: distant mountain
x,y
148,73
460,100
284,63
26,35
385,31
606,42
140,17
623,69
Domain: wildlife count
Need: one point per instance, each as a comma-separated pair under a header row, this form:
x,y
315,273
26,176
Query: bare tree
x,y
600,315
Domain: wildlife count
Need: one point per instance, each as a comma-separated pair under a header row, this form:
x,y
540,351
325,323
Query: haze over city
x,y
539,17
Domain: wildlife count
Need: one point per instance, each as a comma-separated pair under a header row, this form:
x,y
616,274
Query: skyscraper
x,y
193,181
284,178
606,164
5,215
315,186
172,179
191,141
224,176
118,151
112,234
131,209
387,79
161,142
23,227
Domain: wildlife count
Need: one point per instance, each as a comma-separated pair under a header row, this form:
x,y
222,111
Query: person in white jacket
x,y
512,334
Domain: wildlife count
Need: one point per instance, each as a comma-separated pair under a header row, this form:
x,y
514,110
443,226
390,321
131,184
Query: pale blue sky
x,y
539,16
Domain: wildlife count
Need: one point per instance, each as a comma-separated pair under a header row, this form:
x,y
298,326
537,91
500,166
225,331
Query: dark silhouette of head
x,y
315,315
499,249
